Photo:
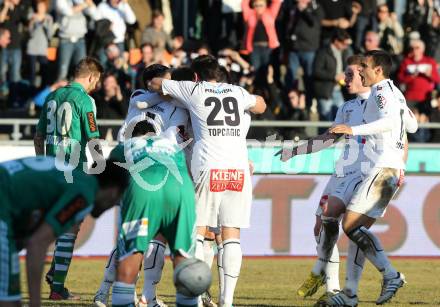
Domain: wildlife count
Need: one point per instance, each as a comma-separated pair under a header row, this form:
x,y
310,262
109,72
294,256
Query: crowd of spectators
x,y
292,52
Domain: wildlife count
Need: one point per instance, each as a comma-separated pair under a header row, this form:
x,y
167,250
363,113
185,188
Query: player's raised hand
x,y
341,129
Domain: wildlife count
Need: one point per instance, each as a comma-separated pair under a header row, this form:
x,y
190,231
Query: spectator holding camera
x,y
390,31
419,74
110,104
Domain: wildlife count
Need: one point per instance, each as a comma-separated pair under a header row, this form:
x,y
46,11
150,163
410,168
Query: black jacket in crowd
x,y
324,71
303,28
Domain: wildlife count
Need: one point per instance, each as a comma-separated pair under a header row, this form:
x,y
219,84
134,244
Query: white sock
x,y
109,274
123,294
373,250
328,236
200,252
208,252
221,272
332,271
355,266
154,260
232,257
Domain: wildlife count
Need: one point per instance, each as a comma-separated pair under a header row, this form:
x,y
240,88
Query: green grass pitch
x,y
270,282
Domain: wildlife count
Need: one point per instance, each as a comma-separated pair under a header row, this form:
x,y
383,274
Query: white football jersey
x,y
217,112
351,114
386,149
163,114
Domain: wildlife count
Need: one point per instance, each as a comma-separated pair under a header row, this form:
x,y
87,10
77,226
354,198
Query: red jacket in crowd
x,y
268,19
417,79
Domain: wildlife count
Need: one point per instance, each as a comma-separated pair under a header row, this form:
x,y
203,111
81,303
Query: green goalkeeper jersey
x,y
159,198
68,121
33,191
159,152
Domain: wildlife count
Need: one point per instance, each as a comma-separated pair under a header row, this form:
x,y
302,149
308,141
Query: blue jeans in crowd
x,y
260,57
11,64
327,108
69,52
303,59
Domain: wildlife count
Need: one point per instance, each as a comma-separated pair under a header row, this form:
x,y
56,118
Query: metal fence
x,y
17,123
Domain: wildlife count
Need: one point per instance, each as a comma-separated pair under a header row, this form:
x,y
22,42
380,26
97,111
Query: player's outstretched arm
x,y
35,255
378,126
260,105
312,145
39,143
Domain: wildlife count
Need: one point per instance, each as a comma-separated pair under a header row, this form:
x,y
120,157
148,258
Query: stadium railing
x,y
17,123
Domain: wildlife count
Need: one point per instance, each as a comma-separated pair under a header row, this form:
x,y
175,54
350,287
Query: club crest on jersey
x,y
347,116
226,179
381,101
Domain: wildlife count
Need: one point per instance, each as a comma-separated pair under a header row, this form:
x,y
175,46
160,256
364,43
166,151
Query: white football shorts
x,y
340,187
224,197
376,191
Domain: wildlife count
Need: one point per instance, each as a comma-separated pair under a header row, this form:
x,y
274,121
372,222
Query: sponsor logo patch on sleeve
x,y
226,179
91,121
71,209
381,101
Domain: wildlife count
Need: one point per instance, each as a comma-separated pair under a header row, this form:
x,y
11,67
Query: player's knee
x,y
361,239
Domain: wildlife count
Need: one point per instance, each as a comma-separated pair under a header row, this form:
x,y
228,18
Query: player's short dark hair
x,y
113,176
142,128
182,73
340,35
355,59
87,66
153,71
207,68
381,58
225,76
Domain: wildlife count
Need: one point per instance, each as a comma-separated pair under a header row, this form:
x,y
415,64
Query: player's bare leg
x,y
232,258
154,260
356,226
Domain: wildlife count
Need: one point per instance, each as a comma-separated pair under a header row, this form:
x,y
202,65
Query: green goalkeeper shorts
x,y
164,205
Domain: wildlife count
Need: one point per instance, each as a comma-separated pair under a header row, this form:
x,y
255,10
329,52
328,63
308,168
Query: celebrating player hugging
x,y
367,175
181,176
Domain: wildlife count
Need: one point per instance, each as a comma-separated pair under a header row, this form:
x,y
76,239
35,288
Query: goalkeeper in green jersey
x,y
67,126
49,207
159,199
